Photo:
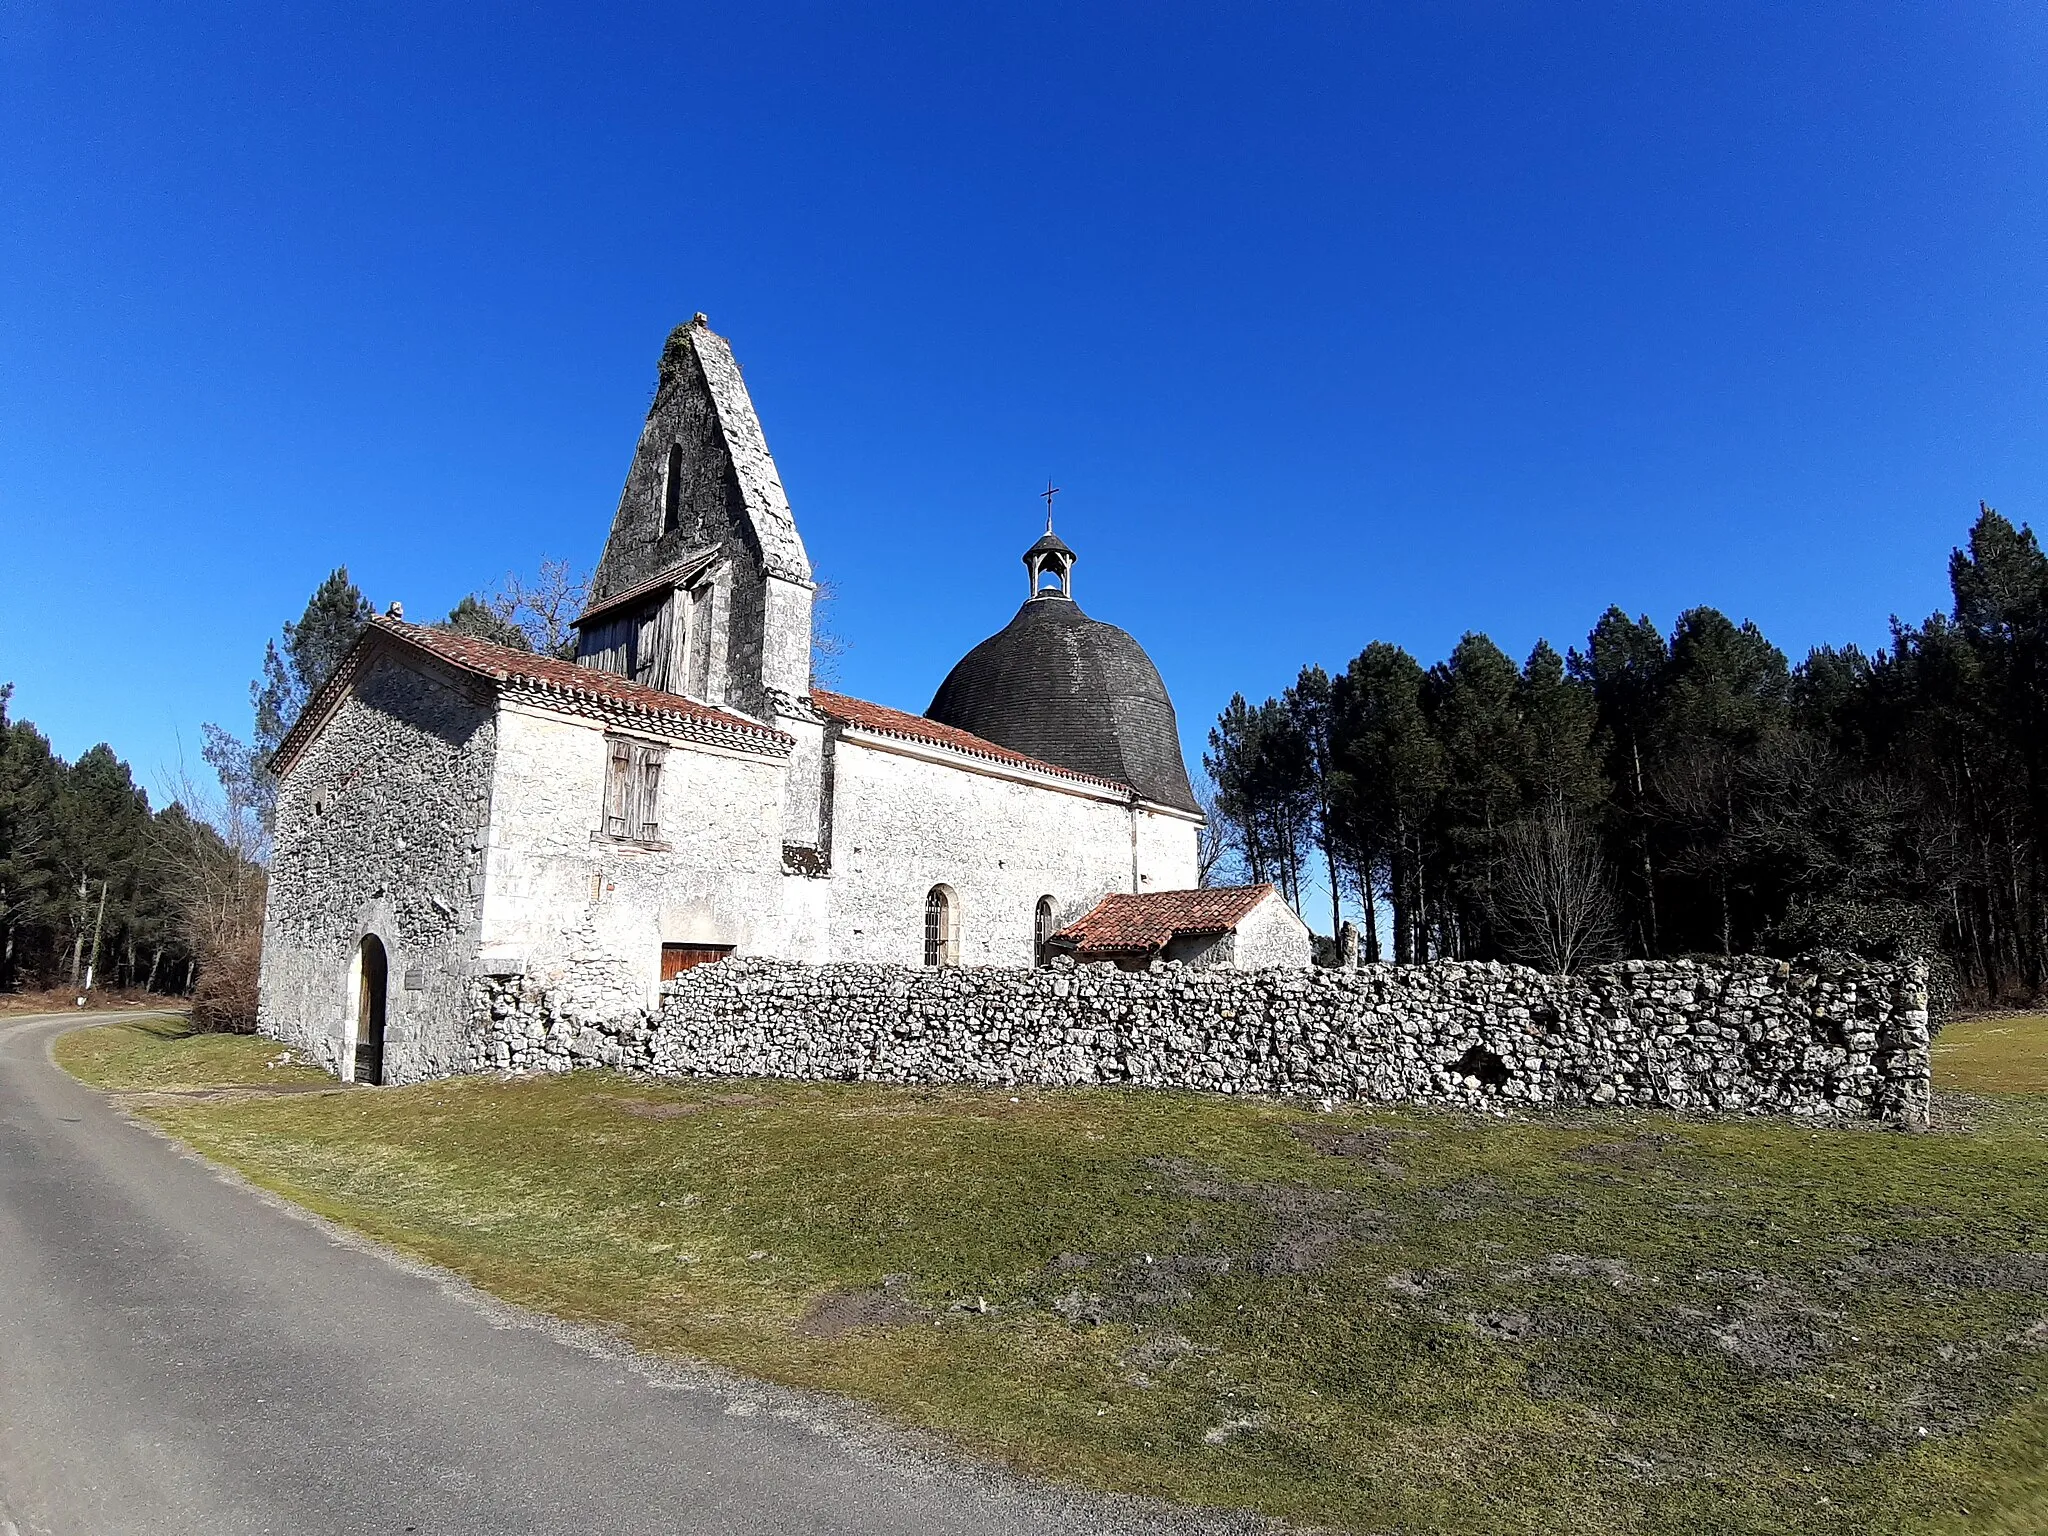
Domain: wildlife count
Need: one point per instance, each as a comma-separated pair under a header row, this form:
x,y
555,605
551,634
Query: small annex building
x,y
1246,927
680,791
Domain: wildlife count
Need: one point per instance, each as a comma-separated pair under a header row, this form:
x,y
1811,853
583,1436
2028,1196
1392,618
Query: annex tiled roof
x,y
545,680
895,722
1146,923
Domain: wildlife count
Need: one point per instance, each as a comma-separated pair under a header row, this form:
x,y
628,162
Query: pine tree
x,y
1311,710
294,667
479,620
312,648
1560,731
30,900
1626,665
1391,771
1472,700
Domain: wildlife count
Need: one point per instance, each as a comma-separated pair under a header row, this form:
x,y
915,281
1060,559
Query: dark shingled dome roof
x,y
1059,686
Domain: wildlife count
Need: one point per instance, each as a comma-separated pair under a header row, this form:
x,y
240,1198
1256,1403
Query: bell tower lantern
x,y
1051,565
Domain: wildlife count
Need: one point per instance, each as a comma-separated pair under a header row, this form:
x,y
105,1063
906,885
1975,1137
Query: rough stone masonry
x,y
1825,1035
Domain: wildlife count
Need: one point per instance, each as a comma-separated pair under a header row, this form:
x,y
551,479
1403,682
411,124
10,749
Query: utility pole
x,y
91,964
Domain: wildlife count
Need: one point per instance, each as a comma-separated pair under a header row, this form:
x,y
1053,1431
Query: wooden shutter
x,y
632,791
618,789
649,777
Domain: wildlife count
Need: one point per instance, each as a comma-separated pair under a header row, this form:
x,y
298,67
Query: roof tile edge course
x,y
545,680
885,721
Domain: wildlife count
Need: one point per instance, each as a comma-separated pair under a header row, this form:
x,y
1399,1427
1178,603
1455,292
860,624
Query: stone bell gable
x,y
704,588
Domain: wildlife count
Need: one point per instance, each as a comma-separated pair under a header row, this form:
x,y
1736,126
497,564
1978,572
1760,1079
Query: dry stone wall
x,y
1826,1035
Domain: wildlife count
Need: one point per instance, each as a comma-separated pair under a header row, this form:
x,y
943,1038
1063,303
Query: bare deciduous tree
x,y
1212,843
827,644
544,609
210,845
1551,894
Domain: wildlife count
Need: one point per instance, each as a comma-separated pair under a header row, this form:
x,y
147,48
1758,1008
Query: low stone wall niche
x,y
1825,1035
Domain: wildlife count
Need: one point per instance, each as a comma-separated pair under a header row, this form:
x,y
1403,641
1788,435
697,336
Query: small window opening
x,y
941,927
632,792
672,490
1044,924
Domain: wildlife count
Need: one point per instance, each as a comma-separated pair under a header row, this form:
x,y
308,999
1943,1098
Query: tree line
x,y
89,887
1654,794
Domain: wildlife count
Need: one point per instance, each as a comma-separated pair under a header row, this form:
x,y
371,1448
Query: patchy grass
x,y
65,1000
1382,1321
165,1053
2007,1054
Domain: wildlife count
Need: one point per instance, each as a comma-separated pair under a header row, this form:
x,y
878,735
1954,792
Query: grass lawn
x,y
1410,1321
164,1054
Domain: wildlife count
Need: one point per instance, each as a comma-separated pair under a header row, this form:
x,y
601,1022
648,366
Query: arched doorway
x,y
374,970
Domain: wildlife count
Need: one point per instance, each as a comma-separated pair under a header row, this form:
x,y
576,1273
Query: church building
x,y
681,791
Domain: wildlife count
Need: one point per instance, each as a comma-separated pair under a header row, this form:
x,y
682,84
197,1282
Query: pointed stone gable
x,y
701,433
704,588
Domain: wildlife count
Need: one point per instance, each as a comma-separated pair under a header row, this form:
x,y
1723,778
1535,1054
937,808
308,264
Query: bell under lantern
x,y
1051,565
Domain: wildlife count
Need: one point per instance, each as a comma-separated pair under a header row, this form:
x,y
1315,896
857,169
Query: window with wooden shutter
x,y
618,788
632,792
650,793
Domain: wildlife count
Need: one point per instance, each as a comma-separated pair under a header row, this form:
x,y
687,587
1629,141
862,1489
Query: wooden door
x,y
678,958
369,1065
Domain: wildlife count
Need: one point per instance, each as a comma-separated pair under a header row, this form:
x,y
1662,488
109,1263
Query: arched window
x,y
941,926
672,490
1043,926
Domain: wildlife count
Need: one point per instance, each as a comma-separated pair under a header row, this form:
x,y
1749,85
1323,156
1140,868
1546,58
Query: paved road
x,y
180,1354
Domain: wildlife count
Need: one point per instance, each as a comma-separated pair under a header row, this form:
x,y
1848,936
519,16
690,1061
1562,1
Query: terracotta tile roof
x,y
1144,924
894,722
545,679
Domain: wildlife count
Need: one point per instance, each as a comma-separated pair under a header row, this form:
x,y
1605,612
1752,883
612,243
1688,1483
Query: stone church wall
x,y
380,830
1823,1036
903,823
587,914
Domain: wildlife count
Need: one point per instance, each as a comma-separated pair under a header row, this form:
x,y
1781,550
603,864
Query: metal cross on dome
x,y
1048,493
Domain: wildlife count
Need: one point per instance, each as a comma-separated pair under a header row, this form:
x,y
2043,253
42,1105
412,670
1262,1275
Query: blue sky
x,y
1336,323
